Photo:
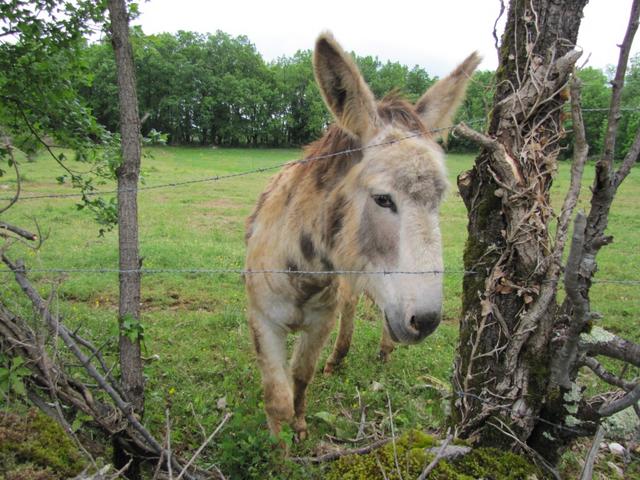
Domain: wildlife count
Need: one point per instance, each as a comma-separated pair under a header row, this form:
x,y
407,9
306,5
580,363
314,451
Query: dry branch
x,y
603,169
505,165
565,359
602,373
203,446
613,347
328,457
439,456
18,231
620,404
137,439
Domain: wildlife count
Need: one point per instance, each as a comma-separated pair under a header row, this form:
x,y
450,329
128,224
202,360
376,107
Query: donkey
x,y
373,207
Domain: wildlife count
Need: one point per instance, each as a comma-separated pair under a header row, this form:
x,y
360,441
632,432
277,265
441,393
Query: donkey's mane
x,y
393,109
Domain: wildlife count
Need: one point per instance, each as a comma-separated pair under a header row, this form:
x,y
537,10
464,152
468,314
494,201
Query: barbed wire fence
x,y
253,171
242,272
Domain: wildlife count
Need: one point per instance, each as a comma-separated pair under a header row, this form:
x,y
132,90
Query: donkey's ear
x,y
438,105
343,88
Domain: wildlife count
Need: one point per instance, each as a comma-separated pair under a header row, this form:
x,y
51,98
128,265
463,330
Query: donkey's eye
x,y
385,201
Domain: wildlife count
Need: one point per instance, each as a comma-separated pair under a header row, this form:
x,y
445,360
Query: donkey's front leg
x,y
303,364
271,351
345,333
386,344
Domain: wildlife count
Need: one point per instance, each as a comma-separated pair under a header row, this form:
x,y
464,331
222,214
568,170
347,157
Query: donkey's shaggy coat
x,y
373,209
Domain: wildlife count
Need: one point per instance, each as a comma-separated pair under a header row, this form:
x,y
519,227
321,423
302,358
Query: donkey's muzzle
x,y
413,329
423,324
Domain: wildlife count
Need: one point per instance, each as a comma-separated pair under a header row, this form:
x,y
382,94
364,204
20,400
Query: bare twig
x,y
393,437
580,152
605,164
565,358
439,456
204,444
629,161
329,457
363,417
587,470
597,368
613,347
495,25
502,162
119,473
168,450
620,404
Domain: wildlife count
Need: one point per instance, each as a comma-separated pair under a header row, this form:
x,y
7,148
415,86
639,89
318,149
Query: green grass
x,y
196,336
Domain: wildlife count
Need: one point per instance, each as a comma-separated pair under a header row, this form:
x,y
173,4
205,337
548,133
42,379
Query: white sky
x,y
433,34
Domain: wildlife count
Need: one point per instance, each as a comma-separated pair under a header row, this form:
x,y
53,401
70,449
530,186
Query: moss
x,y
34,446
488,463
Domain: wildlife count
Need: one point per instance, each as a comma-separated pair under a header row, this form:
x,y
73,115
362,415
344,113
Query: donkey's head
x,y
390,199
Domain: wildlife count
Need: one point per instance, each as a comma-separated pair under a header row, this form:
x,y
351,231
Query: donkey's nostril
x,y
413,323
424,323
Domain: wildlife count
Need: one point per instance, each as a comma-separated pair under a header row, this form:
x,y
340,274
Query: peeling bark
x,y
503,352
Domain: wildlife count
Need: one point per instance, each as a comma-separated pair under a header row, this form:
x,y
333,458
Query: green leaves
x,y
12,373
132,328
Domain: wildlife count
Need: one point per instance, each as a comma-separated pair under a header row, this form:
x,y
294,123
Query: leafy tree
x,y
41,67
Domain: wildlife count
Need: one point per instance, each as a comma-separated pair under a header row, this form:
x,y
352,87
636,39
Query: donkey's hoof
x,y
300,436
329,368
300,430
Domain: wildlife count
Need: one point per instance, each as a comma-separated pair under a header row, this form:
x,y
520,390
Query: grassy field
x,y
200,359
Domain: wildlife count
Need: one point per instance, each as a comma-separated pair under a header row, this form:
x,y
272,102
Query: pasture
x,y
199,355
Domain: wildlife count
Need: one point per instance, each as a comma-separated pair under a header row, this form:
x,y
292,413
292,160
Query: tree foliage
x,y
42,65
217,89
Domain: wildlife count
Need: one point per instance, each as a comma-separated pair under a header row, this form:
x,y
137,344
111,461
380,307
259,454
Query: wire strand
x,y
240,271
216,178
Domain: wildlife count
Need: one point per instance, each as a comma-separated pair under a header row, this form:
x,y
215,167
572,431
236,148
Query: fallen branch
x,y
18,231
439,456
143,441
329,457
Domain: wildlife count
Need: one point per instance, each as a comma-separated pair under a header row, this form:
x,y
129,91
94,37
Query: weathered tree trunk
x,y
128,173
504,353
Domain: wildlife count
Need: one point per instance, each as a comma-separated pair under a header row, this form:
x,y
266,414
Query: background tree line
x,y
216,89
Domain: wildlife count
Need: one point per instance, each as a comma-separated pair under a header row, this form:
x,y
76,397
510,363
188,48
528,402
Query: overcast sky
x,y
433,34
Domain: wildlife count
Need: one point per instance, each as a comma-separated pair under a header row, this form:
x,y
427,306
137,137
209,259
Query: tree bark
x,y
503,358
127,174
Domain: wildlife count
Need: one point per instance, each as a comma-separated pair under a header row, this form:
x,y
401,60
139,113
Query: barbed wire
x,y
603,109
241,271
216,178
